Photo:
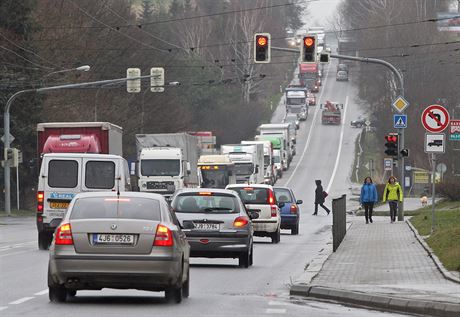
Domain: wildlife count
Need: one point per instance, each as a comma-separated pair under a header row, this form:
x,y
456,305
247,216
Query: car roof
x,y
209,190
250,185
122,194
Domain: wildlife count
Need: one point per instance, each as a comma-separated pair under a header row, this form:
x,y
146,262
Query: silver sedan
x,y
123,241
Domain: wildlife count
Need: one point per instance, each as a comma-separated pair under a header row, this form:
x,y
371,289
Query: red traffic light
x,y
262,41
309,41
391,138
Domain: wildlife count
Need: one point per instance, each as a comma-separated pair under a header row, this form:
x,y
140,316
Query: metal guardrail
x,y
339,220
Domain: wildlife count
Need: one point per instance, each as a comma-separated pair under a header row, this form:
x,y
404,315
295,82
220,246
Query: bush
x,y
449,188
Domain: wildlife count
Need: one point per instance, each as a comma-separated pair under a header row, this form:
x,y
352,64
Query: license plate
x,y
207,226
59,205
103,238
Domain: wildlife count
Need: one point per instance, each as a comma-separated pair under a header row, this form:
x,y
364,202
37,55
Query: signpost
x,y
435,118
454,130
400,104
435,143
400,121
388,164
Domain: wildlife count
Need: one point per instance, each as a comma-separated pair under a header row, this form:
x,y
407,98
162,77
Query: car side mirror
x,y
281,205
299,202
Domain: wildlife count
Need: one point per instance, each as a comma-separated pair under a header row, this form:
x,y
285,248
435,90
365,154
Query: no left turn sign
x,y
435,118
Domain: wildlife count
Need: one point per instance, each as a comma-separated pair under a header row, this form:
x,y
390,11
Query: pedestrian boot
x,y
370,219
314,214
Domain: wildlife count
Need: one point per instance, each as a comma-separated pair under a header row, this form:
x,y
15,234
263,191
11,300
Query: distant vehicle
x,y
342,75
311,99
279,130
435,143
278,151
358,123
278,163
290,212
216,224
261,200
217,171
269,168
331,113
454,22
292,118
64,175
343,67
248,160
119,240
308,75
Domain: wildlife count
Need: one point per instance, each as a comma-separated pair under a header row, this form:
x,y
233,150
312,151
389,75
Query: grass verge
x,y
18,213
444,241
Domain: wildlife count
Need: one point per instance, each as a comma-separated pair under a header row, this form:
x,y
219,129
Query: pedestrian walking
x,y
368,198
393,194
320,197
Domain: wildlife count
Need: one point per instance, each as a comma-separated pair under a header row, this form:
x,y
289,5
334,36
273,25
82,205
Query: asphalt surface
x,y
218,287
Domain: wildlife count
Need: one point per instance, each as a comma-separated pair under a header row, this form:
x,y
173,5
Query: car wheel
x,y
44,240
244,259
251,257
174,295
295,229
276,236
186,286
71,292
57,294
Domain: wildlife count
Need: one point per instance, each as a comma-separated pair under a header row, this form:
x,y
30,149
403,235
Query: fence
x,y
339,220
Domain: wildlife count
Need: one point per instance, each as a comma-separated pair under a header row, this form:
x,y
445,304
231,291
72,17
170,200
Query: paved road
x,y
218,287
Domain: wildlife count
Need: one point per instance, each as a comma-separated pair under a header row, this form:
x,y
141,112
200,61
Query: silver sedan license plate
x,y
104,238
207,226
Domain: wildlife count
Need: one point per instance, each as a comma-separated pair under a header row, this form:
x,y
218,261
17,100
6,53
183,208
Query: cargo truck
x,y
331,113
248,160
167,162
279,152
280,130
217,171
269,169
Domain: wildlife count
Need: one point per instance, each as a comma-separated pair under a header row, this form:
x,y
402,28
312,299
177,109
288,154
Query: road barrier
x,y
339,220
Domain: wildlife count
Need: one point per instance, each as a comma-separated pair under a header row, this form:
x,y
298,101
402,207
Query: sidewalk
x,y
383,265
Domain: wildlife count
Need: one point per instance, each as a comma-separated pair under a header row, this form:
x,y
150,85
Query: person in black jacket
x,y
319,198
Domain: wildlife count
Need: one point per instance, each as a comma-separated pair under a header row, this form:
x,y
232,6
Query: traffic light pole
x,y
6,121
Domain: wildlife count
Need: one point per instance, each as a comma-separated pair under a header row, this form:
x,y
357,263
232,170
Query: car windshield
x,y
113,207
244,168
205,202
342,73
214,178
283,195
295,101
160,167
251,195
277,159
295,110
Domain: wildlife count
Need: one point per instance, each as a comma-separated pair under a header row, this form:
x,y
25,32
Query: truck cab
x,y
269,168
248,160
217,171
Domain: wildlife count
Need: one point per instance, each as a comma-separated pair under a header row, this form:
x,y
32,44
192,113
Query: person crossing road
x,y
320,197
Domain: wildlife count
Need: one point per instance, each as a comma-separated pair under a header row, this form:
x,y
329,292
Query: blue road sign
x,y
400,121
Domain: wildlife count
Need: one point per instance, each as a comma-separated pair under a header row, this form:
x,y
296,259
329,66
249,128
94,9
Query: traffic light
x,y
404,152
324,57
262,47
308,54
391,144
12,155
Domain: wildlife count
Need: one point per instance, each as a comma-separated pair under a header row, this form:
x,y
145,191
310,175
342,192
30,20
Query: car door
x,y
100,174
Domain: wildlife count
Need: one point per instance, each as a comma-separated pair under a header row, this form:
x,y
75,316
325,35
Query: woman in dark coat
x,y
319,198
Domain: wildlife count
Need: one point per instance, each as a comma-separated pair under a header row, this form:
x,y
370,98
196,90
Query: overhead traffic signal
x,y
308,52
404,152
391,144
262,46
324,58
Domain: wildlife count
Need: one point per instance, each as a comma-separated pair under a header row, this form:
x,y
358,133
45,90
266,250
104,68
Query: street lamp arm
x,y
14,96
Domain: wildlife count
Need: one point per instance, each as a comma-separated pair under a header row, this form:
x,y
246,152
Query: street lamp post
x,y
83,68
6,119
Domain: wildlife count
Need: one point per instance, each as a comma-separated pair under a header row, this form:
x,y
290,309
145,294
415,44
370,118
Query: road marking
x,y
18,245
275,311
337,160
275,303
45,291
21,300
3,308
310,132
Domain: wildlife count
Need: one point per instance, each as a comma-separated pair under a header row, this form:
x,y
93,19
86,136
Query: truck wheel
x,y
44,240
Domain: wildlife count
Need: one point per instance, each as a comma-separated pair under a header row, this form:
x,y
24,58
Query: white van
x,y
63,175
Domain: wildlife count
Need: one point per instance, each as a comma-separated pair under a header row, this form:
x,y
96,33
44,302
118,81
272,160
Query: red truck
x,y
79,137
309,76
331,113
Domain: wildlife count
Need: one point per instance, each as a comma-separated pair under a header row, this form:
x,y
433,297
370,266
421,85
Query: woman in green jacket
x,y
393,194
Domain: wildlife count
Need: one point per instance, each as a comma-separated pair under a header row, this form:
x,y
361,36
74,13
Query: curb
x,y
447,275
421,307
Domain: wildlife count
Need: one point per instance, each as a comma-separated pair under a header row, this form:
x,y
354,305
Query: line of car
x,y
132,240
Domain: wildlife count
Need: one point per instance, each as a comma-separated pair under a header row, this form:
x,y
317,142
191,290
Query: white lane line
x,y
337,160
18,245
3,308
45,291
276,303
275,311
310,132
21,300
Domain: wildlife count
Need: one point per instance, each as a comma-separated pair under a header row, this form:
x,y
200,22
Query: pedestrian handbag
x,y
325,194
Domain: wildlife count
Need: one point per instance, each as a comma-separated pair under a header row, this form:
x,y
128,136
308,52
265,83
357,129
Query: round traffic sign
x,y
435,118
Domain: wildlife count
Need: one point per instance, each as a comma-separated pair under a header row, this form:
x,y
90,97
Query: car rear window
x,y
206,202
100,174
251,195
112,207
283,195
63,173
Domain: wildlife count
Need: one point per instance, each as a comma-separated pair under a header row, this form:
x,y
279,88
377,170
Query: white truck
x,y
248,160
269,169
282,130
167,162
217,171
296,102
